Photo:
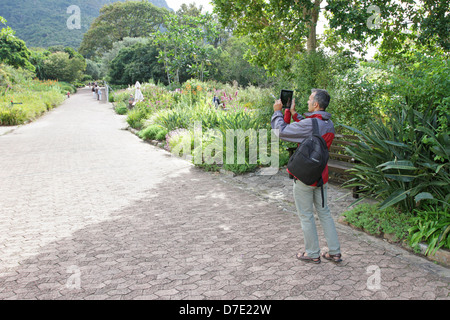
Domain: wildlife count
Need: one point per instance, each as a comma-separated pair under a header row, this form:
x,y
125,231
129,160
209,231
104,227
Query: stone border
x,y
156,143
441,256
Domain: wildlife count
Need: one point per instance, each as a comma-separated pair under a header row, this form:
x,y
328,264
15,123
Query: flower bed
x,y
23,99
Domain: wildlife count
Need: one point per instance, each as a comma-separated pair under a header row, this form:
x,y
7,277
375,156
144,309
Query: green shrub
x,y
421,81
161,135
172,119
121,96
153,132
402,160
431,226
12,116
178,139
36,97
67,87
136,117
356,95
121,108
33,104
376,222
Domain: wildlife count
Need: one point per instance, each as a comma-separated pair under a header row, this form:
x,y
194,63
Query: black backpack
x,y
310,159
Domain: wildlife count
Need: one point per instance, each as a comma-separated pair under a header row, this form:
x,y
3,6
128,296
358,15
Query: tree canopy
x,y
391,23
280,29
136,63
119,20
60,66
13,50
276,28
187,44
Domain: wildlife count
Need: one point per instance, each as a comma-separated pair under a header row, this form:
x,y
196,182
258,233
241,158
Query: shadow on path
x,y
194,237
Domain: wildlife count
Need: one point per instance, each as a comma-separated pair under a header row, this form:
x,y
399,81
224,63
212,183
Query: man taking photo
x,y
308,197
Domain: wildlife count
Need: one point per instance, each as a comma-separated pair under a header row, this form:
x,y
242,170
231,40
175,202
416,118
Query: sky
x,y
176,4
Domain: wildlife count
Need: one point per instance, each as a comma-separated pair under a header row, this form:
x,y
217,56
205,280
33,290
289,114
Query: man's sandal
x,y
332,257
302,257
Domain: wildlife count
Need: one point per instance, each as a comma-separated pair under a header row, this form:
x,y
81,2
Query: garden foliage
x,y
172,116
402,159
33,97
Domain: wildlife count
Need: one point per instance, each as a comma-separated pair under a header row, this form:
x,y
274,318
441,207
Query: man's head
x,y
318,100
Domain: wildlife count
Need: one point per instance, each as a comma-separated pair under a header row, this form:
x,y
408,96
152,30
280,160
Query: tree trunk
x,y
313,16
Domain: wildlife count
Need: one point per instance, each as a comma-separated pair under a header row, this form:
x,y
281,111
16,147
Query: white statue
x,y
138,96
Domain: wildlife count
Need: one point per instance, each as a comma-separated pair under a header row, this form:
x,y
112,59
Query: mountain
x,y
44,23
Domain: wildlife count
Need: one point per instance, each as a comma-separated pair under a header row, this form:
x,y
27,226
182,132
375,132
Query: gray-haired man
x,y
307,197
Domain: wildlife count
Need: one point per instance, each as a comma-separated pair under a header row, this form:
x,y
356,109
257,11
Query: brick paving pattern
x,y
89,211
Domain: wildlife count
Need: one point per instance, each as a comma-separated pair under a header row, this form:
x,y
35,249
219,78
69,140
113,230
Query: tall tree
x,y
5,31
190,10
119,20
13,50
60,66
390,23
109,56
186,44
279,29
231,65
136,63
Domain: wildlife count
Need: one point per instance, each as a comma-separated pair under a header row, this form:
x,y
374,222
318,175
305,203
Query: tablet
x,y
286,98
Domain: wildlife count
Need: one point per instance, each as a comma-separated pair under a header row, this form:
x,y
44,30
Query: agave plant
x,y
402,160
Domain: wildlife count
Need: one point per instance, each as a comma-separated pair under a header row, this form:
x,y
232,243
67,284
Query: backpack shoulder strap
x,y
315,125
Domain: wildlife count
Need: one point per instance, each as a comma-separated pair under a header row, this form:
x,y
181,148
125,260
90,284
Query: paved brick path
x,y
89,211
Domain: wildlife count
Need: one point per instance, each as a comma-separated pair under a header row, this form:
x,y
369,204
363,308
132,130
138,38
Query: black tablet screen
x,y
286,98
